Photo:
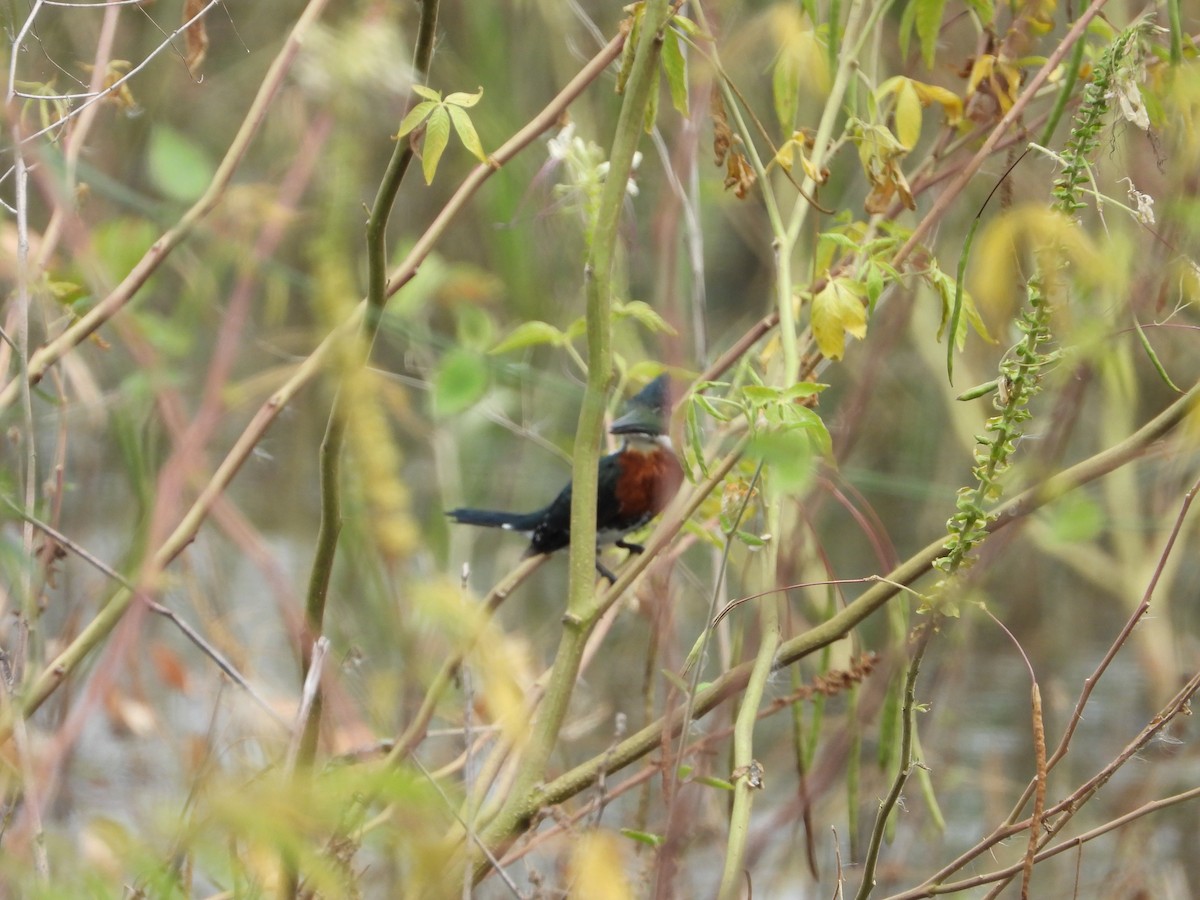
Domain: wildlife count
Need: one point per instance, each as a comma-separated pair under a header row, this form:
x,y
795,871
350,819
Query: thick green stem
x,y
335,430
580,604
746,775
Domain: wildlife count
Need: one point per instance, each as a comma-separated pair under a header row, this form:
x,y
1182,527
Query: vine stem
x,y
582,610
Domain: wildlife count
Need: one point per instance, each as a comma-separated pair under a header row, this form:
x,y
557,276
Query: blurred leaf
x,y
690,28
169,666
908,115
800,63
196,35
474,327
837,310
437,135
675,65
928,23
651,117
889,724
642,313
597,869
634,25
785,88
178,167
753,541
169,336
643,837
530,334
1075,518
710,781
985,9
1000,257
789,454
427,92
459,382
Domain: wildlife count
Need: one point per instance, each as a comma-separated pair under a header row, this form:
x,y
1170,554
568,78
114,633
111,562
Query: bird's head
x,y
647,411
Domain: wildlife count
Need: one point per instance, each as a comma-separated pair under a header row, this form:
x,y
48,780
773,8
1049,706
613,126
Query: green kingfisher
x,y
635,484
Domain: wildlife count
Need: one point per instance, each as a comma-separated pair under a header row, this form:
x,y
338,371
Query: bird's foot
x,y
605,572
632,548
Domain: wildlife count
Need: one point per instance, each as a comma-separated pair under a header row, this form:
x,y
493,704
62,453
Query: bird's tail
x,y
491,518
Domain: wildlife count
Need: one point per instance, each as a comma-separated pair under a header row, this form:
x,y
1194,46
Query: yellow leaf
x,y
908,115
949,101
597,870
464,100
838,310
801,65
1029,238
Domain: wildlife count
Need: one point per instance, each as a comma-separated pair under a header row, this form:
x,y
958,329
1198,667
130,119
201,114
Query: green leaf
x,y
643,837
675,65
905,29
530,334
889,724
179,168
874,285
929,23
1075,518
576,329
427,92
785,87
643,313
466,132
459,382
985,9
688,27
790,455
652,101
463,100
415,117
437,135
753,541
630,45
837,310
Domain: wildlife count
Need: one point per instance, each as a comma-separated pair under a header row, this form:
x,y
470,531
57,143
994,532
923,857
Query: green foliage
x,y
436,116
459,383
787,436
534,334
178,166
